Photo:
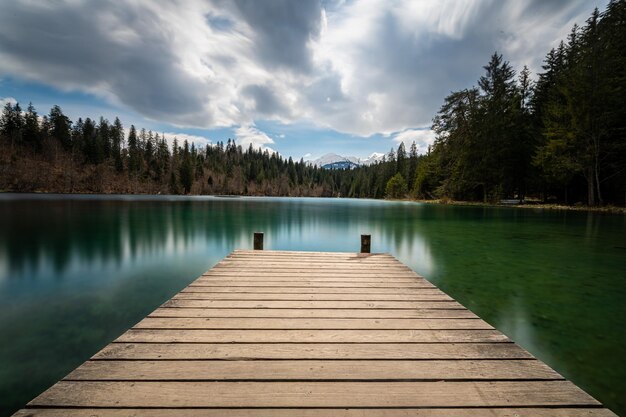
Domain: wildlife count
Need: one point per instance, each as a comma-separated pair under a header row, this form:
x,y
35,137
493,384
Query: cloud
x,y
406,56
360,67
200,141
249,135
264,101
423,138
5,100
283,30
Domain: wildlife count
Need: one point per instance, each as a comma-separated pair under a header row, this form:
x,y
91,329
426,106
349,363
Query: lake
x,y
77,271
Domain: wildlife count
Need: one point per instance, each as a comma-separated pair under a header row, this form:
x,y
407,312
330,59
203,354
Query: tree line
x,y
141,161
99,156
559,138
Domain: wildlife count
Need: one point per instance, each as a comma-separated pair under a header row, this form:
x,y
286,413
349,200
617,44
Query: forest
x,y
557,137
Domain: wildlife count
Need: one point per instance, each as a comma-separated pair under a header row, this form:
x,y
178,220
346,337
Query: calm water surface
x,y
76,272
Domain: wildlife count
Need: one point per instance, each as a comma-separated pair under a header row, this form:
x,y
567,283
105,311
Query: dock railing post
x,y
258,241
366,243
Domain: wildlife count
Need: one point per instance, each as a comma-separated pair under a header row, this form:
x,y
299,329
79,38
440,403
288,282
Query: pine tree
x,y
117,141
32,134
134,152
60,127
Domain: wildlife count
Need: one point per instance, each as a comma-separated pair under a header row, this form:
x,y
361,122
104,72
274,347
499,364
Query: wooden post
x,y
258,241
366,243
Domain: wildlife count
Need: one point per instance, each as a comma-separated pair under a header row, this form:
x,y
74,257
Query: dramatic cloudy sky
x,y
299,77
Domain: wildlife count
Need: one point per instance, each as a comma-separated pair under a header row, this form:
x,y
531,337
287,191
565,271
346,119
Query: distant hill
x,y
335,161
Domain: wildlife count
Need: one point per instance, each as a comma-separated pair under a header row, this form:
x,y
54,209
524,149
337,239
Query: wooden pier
x,y
312,334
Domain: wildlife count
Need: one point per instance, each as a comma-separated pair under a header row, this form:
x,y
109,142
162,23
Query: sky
x,y
299,77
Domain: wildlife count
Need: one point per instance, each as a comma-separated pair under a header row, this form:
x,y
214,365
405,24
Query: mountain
x,y
335,161
373,158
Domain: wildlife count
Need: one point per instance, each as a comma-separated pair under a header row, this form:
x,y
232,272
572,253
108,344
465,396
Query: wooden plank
x,y
341,262
313,297
296,253
308,323
368,274
374,259
312,313
336,370
416,280
312,290
178,302
254,259
315,284
313,394
313,264
303,283
315,412
327,256
307,268
324,263
311,336
352,351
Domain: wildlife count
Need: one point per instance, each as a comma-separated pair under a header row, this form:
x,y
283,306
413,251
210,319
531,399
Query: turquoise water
x,y
76,272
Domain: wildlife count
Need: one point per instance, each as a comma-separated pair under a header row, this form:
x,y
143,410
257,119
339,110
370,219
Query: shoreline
x,y
443,202
541,206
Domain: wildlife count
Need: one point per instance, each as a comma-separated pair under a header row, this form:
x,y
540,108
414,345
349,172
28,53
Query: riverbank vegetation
x,y
560,139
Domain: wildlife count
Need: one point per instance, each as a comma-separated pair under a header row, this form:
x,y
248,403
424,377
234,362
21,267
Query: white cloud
x,y
423,138
249,135
5,100
200,141
359,67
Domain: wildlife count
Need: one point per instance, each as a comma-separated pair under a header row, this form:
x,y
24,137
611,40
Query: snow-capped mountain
x,y
334,161
373,158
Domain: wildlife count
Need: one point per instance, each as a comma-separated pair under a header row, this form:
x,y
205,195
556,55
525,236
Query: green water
x,y
75,273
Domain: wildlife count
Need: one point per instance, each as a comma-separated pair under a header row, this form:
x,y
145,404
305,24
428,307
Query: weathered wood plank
x,y
315,284
311,336
272,256
347,296
316,412
416,280
310,262
308,323
373,370
261,288
313,394
312,313
307,268
375,351
296,253
178,302
330,273
322,263
352,351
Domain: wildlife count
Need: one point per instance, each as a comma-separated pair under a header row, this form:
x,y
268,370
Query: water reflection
x,y
75,273
63,235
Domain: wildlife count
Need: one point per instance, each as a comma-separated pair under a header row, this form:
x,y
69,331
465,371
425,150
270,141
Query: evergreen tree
x,y
12,123
32,133
134,152
412,170
60,127
396,187
117,141
186,169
